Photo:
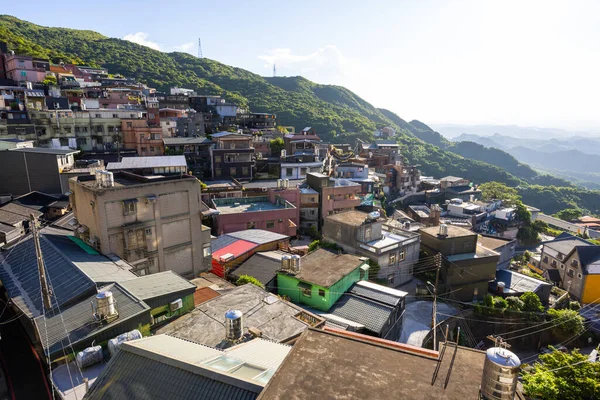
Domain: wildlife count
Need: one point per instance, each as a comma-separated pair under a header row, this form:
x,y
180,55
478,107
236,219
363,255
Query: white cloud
x,y
141,38
186,47
327,62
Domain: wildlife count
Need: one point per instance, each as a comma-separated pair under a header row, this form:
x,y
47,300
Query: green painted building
x,y
323,277
167,294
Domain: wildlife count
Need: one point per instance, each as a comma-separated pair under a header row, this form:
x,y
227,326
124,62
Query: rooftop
x,y
518,283
421,211
210,280
451,178
352,218
238,205
307,373
366,312
157,285
76,325
275,318
324,268
589,257
480,252
493,242
123,179
269,184
380,293
43,150
262,266
453,231
148,162
173,141
565,244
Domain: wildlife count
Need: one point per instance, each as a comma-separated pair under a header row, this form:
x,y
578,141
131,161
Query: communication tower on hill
x,y
274,71
200,48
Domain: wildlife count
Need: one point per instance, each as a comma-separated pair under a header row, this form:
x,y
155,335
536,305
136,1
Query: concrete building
x,y
428,216
273,212
504,247
335,195
24,170
232,156
395,250
145,139
158,165
152,222
467,266
321,278
309,208
380,152
24,68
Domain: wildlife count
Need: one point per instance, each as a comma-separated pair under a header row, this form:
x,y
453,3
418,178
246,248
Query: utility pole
x,y
41,267
438,264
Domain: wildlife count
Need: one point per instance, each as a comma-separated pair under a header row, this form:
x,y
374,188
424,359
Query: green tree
x,y
540,226
276,146
514,303
242,280
499,191
566,322
569,214
563,376
49,80
531,302
500,303
313,246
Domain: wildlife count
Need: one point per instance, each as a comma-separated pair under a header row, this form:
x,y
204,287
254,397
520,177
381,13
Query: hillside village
x,y
179,245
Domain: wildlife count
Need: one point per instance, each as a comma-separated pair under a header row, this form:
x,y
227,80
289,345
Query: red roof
x,y
236,248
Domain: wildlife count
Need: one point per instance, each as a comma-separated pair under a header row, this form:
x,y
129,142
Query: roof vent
x,y
234,326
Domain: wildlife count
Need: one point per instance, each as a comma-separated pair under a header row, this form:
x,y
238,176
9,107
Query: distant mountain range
x,y
574,159
454,130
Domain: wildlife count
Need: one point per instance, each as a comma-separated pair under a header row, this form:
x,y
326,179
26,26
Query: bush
x,y
531,302
242,280
566,322
313,246
514,303
500,303
574,305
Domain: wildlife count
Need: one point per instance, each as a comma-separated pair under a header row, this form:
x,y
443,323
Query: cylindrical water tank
x,y
89,356
234,325
500,287
295,263
286,263
500,374
99,177
115,343
279,183
105,304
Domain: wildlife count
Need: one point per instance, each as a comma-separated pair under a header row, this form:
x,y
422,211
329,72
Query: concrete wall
x,y
21,173
239,222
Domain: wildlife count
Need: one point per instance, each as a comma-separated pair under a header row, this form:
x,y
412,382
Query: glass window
x,y
368,230
306,291
217,159
207,251
232,171
271,224
321,293
218,172
302,171
392,259
289,171
244,171
251,225
401,255
128,207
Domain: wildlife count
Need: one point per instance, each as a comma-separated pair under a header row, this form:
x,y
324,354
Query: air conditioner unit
x,y
176,305
264,189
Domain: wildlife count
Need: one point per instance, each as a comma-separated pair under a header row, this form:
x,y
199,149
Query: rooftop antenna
x,y
200,48
274,71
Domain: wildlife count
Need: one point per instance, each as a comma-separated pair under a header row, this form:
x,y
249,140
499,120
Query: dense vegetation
x,y
336,113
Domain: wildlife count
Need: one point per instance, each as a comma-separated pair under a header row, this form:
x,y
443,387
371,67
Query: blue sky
x,y
532,63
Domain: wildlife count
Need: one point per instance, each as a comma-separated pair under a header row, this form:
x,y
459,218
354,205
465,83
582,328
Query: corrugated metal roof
x,y
259,266
373,315
261,352
186,140
133,376
21,279
258,236
148,162
43,150
76,323
236,248
378,293
221,241
156,285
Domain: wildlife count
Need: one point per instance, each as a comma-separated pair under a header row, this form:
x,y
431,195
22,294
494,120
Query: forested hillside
x,y
335,112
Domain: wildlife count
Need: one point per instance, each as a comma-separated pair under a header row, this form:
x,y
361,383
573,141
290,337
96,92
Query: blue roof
x,y
519,283
20,276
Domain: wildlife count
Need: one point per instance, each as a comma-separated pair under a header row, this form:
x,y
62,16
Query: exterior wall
x,y
227,223
163,313
338,199
287,285
572,276
469,277
591,292
222,169
299,170
21,173
147,141
450,246
164,234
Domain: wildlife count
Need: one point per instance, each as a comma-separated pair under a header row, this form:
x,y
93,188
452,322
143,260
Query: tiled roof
x,y
157,285
20,276
186,140
76,323
372,314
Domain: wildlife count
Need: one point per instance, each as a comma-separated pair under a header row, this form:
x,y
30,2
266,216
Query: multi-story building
x,y
257,121
467,266
191,126
380,152
309,208
232,156
276,212
395,250
459,188
335,195
147,140
428,216
158,165
153,223
24,68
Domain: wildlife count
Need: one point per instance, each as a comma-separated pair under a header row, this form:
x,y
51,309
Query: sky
x,y
528,63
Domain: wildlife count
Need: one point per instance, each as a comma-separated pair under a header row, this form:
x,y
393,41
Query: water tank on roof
x,y
500,373
234,326
89,356
105,305
443,230
295,263
286,263
500,287
115,343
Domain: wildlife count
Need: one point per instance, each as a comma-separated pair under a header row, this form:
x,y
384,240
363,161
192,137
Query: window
x,y
271,224
571,273
207,251
218,172
392,258
143,149
321,293
232,145
546,259
289,171
84,129
302,171
76,129
81,141
98,116
467,245
129,207
579,275
554,264
130,125
99,129
244,171
401,255
251,225
574,263
152,149
148,231
306,290
232,171
217,159
115,116
562,266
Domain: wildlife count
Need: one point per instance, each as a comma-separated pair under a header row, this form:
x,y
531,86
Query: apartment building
x,y
152,222
146,140
309,208
232,156
335,195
